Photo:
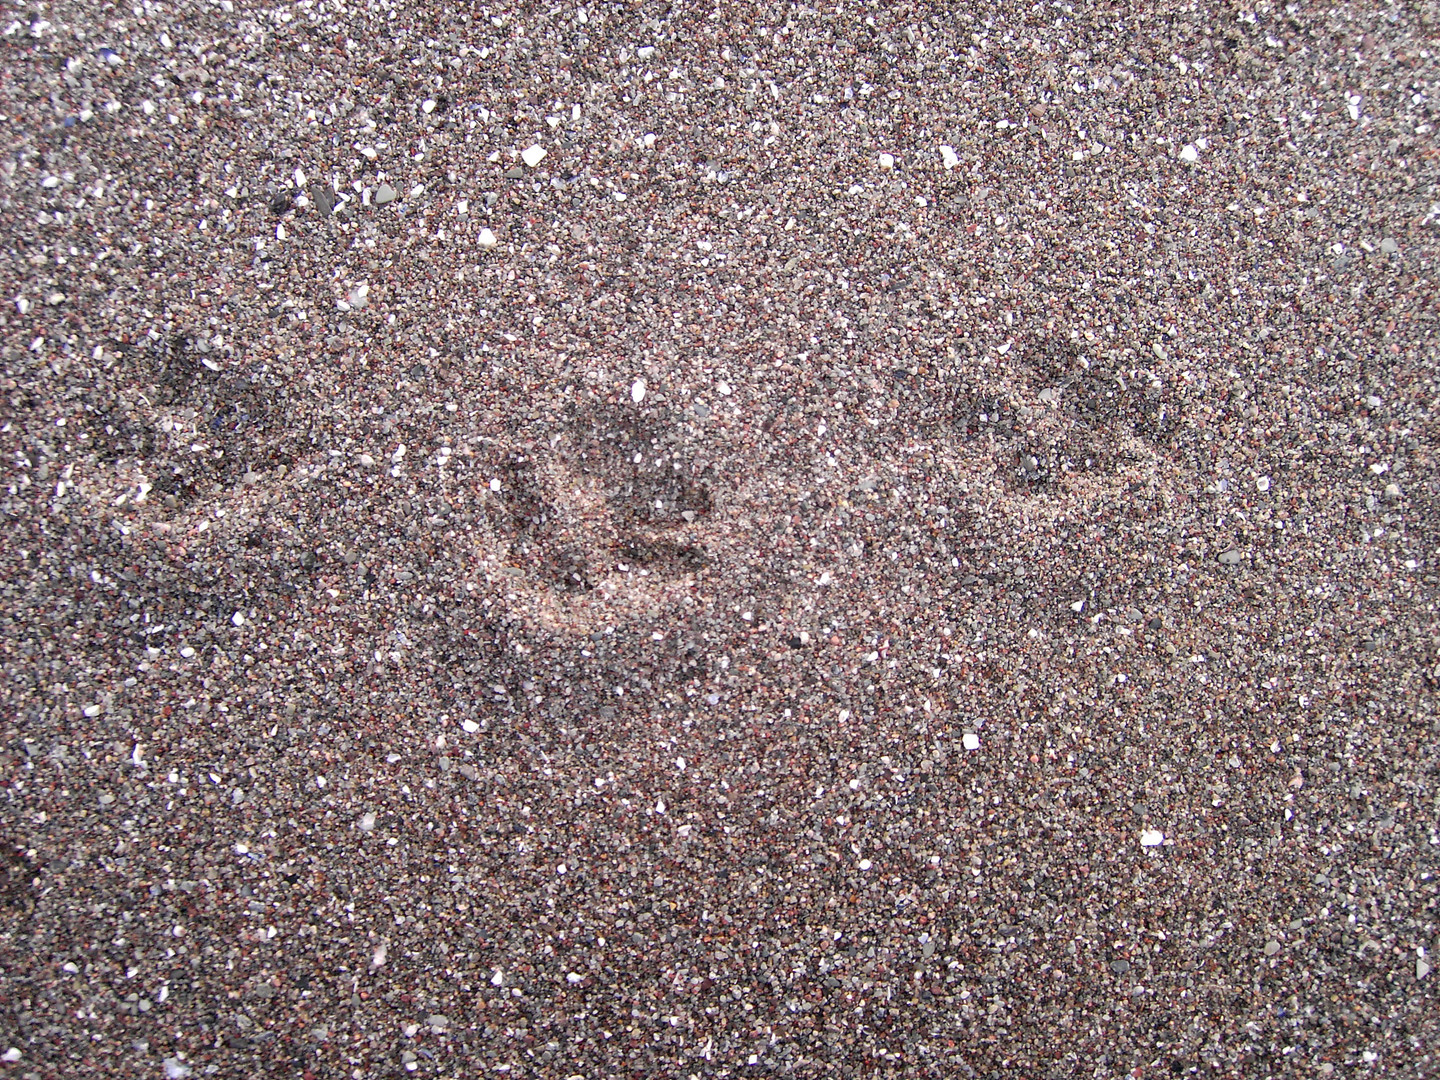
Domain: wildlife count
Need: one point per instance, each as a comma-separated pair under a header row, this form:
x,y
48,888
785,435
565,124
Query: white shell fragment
x,y
1152,838
637,391
533,155
487,240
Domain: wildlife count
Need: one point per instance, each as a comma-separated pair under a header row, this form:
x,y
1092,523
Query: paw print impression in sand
x,y
605,520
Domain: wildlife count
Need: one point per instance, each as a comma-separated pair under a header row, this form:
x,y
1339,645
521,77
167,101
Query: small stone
x,y
1263,484
385,195
438,1021
1120,967
94,710
1389,245
1152,838
427,106
487,240
637,391
515,172
470,727
367,822
1231,557
238,619
1421,968
1271,948
970,741
1392,492
865,864
701,410
887,162
1189,154
533,155
323,198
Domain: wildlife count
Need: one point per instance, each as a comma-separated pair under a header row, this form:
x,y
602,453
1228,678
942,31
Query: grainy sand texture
x,y
650,540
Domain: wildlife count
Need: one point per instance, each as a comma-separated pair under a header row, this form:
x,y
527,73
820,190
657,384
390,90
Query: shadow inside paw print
x,y
646,475
612,490
17,891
